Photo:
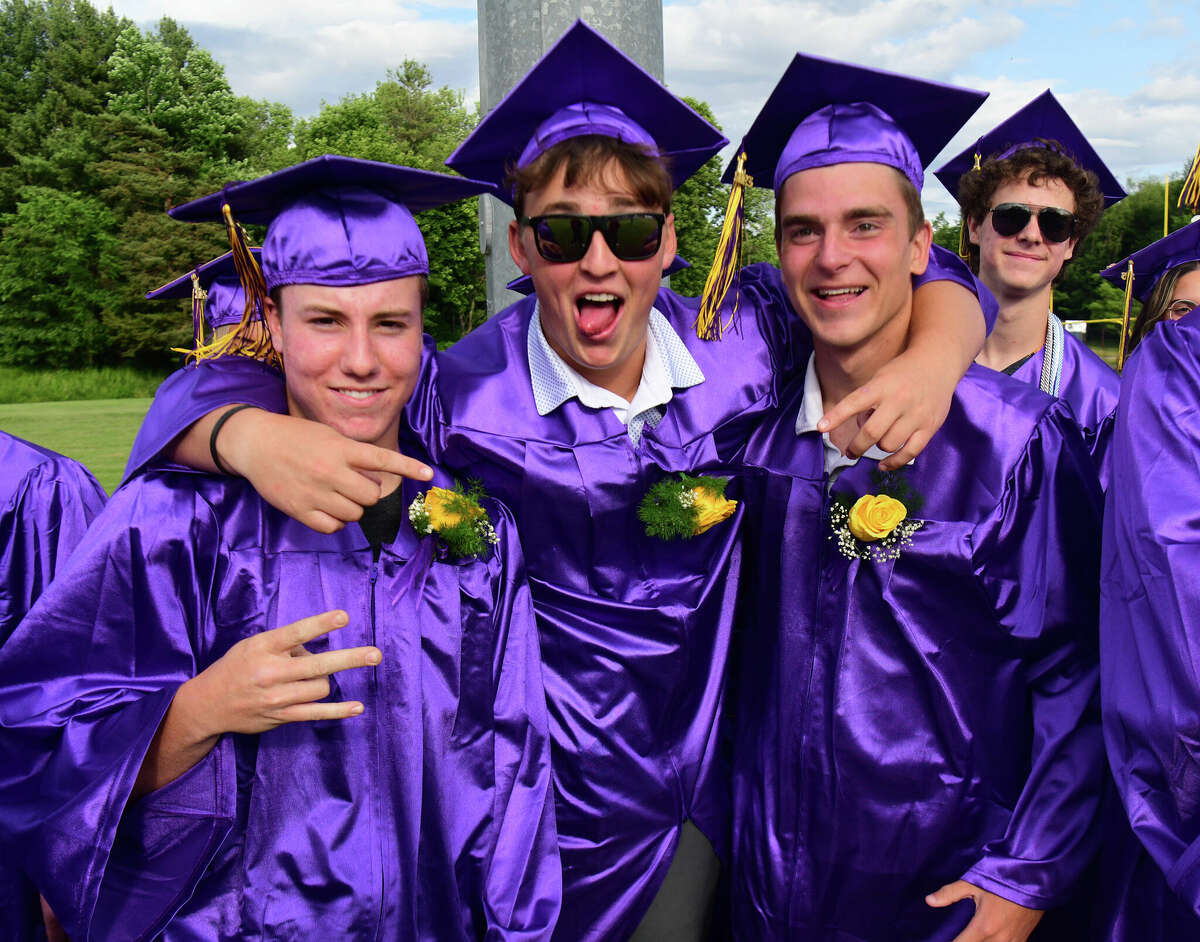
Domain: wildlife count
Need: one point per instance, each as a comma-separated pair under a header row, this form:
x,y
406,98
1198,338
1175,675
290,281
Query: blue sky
x,y
1128,73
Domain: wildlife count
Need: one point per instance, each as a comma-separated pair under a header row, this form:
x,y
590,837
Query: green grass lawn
x,y
98,432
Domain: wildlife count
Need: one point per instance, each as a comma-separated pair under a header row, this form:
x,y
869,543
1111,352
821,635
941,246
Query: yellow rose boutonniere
x,y
874,517
456,516
684,508
875,526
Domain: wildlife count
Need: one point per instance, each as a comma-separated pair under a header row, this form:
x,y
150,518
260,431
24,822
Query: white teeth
x,y
358,393
600,298
835,292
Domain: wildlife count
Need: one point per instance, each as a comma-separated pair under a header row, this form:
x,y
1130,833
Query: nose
x,y
599,260
834,251
1032,231
359,358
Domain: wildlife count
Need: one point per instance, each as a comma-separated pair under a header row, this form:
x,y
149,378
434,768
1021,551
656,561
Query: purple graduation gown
x,y
908,723
46,503
429,817
634,632
1150,623
1090,387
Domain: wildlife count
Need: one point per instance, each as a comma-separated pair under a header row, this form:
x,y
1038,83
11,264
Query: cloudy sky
x,y
1127,72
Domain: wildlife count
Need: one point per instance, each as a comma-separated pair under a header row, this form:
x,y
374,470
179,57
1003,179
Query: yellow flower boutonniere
x,y
684,508
456,516
875,526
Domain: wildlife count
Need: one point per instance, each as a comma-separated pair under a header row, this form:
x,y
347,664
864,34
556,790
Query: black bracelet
x,y
212,439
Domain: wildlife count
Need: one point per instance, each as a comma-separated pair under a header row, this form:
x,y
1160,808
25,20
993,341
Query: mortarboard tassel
x,y
964,249
726,261
1189,194
250,338
1127,277
199,296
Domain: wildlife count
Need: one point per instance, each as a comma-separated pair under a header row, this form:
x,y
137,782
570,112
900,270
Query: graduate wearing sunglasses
x,y
571,405
1030,190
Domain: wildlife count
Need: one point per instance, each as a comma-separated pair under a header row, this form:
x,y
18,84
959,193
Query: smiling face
x,y
847,253
1022,265
594,311
351,355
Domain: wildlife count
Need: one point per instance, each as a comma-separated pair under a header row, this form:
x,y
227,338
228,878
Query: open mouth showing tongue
x,y
597,313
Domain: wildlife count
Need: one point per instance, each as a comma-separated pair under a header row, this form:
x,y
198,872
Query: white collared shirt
x,y
668,366
812,407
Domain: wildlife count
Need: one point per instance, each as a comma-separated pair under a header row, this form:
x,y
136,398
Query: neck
x,y
1020,328
622,380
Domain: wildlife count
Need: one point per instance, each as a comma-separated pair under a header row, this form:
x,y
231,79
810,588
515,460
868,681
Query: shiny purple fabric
x,y
580,118
342,236
47,502
842,134
429,817
1091,388
634,632
1150,613
226,302
904,724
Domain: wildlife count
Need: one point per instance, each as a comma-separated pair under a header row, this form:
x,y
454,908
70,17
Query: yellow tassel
x,y
199,297
726,261
250,338
1189,195
1127,277
964,248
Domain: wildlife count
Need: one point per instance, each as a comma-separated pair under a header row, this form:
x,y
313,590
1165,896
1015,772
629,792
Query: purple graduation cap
x,y
336,221
331,220
1155,260
585,85
1041,121
823,113
215,290
524,284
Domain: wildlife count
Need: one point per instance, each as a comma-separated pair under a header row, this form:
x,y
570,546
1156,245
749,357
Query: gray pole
x,y
513,35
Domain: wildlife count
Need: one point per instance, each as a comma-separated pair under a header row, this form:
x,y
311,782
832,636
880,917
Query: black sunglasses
x,y
565,237
1056,225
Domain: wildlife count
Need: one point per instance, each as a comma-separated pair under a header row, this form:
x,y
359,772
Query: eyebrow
x,y
860,212
572,206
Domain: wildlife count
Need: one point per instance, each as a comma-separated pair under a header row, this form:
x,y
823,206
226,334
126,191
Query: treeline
x,y
104,126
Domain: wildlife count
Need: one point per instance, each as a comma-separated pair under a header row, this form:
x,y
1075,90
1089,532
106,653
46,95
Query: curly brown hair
x,y
1044,160
587,158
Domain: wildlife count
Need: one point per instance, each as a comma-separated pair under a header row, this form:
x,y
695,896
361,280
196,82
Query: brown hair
x,y
1045,160
1154,308
587,158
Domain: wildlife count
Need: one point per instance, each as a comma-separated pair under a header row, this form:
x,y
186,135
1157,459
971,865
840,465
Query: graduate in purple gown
x,y
1150,604
191,760
1031,189
571,406
47,502
918,751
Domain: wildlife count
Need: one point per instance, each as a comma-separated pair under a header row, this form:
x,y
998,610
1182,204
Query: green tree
x,y
946,231
169,81
53,82
138,175
57,264
405,120
699,208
